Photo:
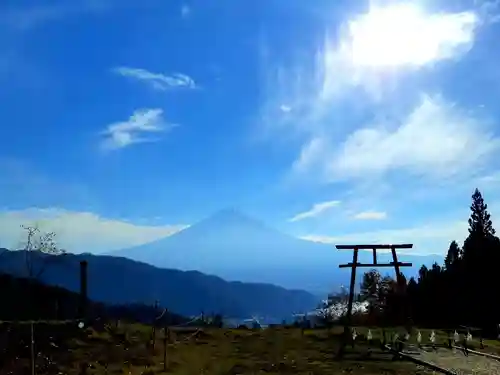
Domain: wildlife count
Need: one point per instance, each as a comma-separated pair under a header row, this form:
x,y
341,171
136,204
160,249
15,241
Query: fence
x,y
45,346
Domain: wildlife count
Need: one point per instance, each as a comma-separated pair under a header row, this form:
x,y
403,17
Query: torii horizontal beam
x,y
370,247
376,265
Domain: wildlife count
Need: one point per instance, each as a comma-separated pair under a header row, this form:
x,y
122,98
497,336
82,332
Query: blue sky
x,y
124,121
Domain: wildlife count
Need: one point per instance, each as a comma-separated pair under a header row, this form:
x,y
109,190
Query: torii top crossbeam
x,y
375,247
378,246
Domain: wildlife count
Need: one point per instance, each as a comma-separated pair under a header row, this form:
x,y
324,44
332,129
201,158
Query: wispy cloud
x,y
157,81
285,108
373,114
489,10
377,48
316,210
427,239
367,57
436,139
371,215
80,231
143,121
429,235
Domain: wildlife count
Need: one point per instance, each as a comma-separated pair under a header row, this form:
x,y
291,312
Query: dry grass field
x,y
127,349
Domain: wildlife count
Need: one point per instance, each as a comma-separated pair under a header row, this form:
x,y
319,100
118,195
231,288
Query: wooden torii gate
x,y
375,264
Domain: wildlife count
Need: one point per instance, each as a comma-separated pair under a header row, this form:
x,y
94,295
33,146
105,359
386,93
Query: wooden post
x,y
396,265
166,337
154,326
400,294
351,289
32,348
348,317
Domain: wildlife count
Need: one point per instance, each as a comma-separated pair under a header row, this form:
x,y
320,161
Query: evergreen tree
x,y
481,256
480,222
422,274
453,256
370,290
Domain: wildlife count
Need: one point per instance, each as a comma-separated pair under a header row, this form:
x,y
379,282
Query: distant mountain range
x,y
234,246
116,280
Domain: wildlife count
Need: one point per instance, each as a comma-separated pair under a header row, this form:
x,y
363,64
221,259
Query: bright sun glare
x,y
404,34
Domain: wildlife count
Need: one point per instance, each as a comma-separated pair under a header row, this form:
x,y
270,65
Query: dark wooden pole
x,y
154,325
400,295
351,289
348,317
396,266
166,337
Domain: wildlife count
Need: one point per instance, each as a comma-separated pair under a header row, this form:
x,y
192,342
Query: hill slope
x,y
121,281
236,247
30,299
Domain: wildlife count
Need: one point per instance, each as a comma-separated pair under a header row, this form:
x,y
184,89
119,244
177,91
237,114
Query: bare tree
x,y
40,249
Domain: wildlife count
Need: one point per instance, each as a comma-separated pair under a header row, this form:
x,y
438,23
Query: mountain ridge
x,y
118,280
235,246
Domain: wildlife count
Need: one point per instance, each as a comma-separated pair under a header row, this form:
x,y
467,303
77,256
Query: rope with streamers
x,y
176,342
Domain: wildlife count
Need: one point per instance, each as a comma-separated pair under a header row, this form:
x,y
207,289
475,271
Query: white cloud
x,y
157,81
122,134
489,10
403,34
370,215
311,153
435,139
285,108
376,48
185,11
316,210
367,58
427,236
79,231
426,239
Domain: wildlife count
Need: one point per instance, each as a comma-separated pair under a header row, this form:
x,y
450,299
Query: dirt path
x,y
455,360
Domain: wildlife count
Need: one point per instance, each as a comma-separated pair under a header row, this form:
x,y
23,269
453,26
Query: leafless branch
x,y
41,245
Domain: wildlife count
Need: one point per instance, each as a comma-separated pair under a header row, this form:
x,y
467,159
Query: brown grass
x,y
128,350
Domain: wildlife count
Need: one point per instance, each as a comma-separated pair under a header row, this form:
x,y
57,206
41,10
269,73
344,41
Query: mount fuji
x,y
235,247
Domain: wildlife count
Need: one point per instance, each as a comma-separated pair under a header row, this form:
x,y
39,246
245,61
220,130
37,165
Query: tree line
x,y
461,291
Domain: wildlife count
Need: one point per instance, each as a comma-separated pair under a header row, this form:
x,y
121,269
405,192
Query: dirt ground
x,y
128,349
461,364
